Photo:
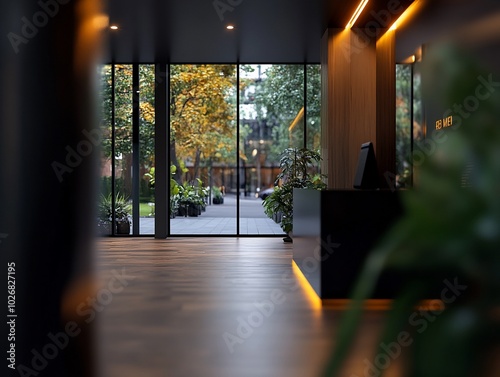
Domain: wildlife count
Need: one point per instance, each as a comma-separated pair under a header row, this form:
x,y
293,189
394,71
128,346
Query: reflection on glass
x,y
403,125
418,112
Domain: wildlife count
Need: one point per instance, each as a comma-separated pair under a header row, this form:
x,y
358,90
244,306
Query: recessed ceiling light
x,y
230,27
113,27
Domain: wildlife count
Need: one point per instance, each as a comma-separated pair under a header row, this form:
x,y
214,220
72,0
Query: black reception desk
x,y
334,231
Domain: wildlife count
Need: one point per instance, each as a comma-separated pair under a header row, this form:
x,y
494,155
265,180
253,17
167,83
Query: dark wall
x,y
47,187
472,24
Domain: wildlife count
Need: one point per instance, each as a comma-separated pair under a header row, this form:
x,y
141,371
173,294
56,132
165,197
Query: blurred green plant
x,y
451,227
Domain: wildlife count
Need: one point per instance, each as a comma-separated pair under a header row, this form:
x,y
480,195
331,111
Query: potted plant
x,y
202,193
104,215
217,196
174,193
189,201
296,166
122,214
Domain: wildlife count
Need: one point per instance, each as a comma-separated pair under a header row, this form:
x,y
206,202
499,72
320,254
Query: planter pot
x,y
104,229
182,211
123,227
193,210
218,200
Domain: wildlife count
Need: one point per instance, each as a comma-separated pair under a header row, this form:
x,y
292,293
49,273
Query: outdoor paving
x,y
221,220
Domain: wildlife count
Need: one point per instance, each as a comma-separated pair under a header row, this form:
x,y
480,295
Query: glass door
x,y
203,149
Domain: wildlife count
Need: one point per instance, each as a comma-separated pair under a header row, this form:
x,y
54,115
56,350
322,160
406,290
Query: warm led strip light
x,y
406,14
357,13
309,291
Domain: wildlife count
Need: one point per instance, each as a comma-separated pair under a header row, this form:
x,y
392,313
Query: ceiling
x,y
474,25
280,31
193,31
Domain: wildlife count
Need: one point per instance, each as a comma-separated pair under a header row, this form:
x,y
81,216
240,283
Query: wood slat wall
x,y
358,102
386,104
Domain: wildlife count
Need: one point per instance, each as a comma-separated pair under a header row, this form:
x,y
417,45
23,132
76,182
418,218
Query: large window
x,y
409,121
228,125
127,150
271,120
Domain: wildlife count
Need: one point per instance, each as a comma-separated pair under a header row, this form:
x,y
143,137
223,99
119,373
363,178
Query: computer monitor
x,y
367,176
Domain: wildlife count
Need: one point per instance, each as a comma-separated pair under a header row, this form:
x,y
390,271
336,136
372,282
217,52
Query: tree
x,y
279,100
123,96
202,111
124,99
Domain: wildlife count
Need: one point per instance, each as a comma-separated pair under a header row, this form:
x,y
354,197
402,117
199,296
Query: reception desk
x,y
335,230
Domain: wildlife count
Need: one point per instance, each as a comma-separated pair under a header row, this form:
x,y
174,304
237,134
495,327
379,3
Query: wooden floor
x,y
213,307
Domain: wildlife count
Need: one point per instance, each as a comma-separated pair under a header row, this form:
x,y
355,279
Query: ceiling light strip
x,y
357,13
405,15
